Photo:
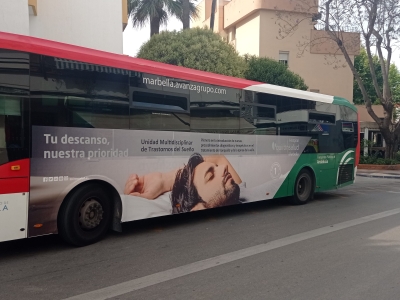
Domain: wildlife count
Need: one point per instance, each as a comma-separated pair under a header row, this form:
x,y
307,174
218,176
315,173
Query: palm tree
x,y
212,18
189,11
154,10
186,14
157,11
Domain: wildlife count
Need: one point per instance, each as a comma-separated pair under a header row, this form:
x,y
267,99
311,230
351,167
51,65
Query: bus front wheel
x,y
85,215
303,188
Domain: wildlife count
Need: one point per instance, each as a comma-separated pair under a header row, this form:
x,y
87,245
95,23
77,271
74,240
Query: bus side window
x,y
13,128
75,94
258,114
214,112
349,127
313,146
309,149
158,110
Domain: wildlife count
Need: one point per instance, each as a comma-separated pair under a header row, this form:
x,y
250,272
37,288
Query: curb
x,y
380,176
379,167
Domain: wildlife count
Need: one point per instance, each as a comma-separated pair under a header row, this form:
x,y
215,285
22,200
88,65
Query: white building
x,y
96,24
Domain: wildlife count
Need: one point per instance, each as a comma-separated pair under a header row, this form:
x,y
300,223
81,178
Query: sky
x,y
133,38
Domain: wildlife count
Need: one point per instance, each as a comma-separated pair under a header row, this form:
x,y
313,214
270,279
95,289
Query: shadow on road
x,y
51,243
220,213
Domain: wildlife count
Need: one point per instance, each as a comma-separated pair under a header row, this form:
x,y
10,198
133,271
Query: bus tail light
x,y
358,147
15,168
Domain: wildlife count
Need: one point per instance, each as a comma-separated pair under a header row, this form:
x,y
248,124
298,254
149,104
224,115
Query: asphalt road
x,y
343,245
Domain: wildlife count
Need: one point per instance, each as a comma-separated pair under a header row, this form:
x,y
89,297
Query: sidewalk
x,y
393,174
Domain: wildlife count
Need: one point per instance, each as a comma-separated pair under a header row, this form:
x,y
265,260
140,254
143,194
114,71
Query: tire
x,y
303,188
85,215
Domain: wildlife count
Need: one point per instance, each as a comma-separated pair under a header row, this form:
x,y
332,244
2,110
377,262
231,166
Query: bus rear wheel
x,y
303,188
85,215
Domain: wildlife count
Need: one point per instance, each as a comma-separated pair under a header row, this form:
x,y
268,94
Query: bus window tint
x,y
151,110
349,127
147,119
13,128
156,103
159,101
74,94
257,114
216,111
299,117
322,129
321,118
261,117
14,90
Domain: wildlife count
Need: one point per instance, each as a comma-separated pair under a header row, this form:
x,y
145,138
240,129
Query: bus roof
x,y
66,51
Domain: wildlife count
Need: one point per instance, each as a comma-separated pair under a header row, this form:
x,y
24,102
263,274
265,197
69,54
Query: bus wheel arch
x,y
88,212
304,186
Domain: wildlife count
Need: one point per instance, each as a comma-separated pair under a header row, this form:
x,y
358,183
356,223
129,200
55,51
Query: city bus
x,y
89,140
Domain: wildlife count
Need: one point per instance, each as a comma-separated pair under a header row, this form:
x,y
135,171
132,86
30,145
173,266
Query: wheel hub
x,y
90,214
302,188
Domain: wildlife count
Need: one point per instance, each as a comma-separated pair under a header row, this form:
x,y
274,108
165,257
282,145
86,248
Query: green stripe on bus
x,y
325,168
343,102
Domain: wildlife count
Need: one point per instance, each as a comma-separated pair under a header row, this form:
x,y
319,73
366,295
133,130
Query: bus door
x,y
14,129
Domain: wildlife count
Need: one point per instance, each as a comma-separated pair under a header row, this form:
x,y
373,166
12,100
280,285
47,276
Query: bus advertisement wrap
x,y
156,173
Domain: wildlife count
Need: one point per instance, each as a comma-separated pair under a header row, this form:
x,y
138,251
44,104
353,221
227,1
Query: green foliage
x,y
373,160
361,64
195,48
202,49
394,81
397,156
366,143
273,72
387,161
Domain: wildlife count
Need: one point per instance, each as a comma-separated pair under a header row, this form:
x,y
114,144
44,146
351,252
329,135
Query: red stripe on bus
x,y
15,169
60,50
358,148
14,185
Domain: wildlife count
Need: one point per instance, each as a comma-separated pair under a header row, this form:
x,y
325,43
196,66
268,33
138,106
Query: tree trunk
x,y
392,142
185,14
392,148
389,150
213,5
154,26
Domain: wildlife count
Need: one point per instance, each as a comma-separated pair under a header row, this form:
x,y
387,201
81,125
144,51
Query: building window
x,y
314,90
284,57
